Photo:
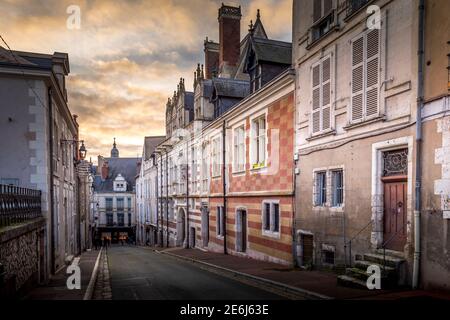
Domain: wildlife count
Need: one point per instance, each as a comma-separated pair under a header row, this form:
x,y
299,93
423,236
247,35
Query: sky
x,y
127,56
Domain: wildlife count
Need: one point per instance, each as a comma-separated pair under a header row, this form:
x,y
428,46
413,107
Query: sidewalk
x,y
56,289
319,282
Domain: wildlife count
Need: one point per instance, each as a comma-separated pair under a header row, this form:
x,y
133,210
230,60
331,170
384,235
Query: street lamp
x,y
82,151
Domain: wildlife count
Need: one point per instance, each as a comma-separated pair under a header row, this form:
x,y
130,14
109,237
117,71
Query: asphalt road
x,y
141,274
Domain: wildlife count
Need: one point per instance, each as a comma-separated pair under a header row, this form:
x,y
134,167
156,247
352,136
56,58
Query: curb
x,y
90,289
278,285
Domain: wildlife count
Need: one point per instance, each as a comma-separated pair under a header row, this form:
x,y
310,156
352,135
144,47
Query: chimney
x,y
211,50
100,161
105,170
229,39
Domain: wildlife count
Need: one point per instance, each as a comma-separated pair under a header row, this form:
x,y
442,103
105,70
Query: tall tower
x,y
114,150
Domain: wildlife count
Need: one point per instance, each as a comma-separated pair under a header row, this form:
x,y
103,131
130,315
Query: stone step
x,y
348,281
363,265
391,261
392,253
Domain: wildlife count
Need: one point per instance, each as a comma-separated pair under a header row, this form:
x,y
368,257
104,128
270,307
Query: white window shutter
x,y
357,97
316,98
326,93
372,72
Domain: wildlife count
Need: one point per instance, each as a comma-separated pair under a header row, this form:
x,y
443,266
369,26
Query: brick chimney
x,y
211,50
229,39
105,170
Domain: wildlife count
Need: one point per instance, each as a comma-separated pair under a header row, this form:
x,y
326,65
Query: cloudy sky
x,y
127,56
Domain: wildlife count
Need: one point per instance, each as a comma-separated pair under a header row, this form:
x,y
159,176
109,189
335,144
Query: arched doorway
x,y
181,227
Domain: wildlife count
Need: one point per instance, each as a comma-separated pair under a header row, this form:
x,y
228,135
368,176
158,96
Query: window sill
x,y
239,173
271,234
316,41
351,126
321,135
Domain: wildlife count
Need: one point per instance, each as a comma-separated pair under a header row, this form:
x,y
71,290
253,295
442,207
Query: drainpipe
x,y
161,204
418,189
187,194
167,199
51,196
157,201
224,218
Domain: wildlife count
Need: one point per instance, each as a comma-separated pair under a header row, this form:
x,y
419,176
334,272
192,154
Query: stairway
x,y
392,275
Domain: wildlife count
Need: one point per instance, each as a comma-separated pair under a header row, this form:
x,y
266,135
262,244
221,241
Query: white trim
x,y
241,124
256,116
267,233
377,193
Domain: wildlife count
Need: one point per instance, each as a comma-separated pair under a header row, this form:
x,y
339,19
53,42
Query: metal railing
x,y
384,244
354,5
349,243
18,205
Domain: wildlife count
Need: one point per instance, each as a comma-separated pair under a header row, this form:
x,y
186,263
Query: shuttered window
x,y
321,95
365,76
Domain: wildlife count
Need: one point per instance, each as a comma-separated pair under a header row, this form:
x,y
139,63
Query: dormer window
x,y
120,184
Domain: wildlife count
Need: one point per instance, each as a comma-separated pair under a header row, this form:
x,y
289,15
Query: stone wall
x,y
19,252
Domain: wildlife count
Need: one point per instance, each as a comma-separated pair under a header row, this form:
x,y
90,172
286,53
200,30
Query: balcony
x,y
353,6
17,205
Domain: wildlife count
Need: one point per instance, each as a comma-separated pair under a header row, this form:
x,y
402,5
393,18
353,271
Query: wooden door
x,y
395,215
241,231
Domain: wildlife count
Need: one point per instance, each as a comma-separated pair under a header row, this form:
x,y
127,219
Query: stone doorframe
x,y
377,199
181,227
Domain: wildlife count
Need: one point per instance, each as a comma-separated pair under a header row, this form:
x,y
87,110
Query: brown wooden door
x,y
395,215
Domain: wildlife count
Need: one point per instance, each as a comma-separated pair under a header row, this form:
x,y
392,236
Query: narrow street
x,y
141,274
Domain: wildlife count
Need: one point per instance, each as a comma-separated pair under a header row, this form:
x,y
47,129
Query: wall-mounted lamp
x,y
82,151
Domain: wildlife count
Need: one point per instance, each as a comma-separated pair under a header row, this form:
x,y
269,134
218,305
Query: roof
x,y
9,57
150,144
273,51
231,88
189,100
125,166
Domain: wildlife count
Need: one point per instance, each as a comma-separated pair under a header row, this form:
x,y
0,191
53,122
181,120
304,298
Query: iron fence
x,y
18,205
354,5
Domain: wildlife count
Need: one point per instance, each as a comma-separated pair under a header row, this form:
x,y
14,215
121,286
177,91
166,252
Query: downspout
x,y
224,216
418,189
167,199
187,195
50,143
161,204
157,201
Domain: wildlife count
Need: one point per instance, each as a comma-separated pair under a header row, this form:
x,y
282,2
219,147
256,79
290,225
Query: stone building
x,y
146,194
39,151
226,168
114,197
360,157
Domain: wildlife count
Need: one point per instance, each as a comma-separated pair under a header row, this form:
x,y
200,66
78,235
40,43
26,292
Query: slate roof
x,y
7,57
231,88
150,144
273,51
125,166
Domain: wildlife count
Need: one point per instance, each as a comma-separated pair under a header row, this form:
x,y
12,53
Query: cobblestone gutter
x,y
102,289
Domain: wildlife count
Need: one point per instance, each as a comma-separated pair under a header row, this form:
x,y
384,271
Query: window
x,y
259,143
271,217
120,204
328,256
205,169
9,182
194,174
121,219
320,188
129,203
354,5
365,74
109,204
216,157
220,225
337,188
323,18
321,95
239,149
